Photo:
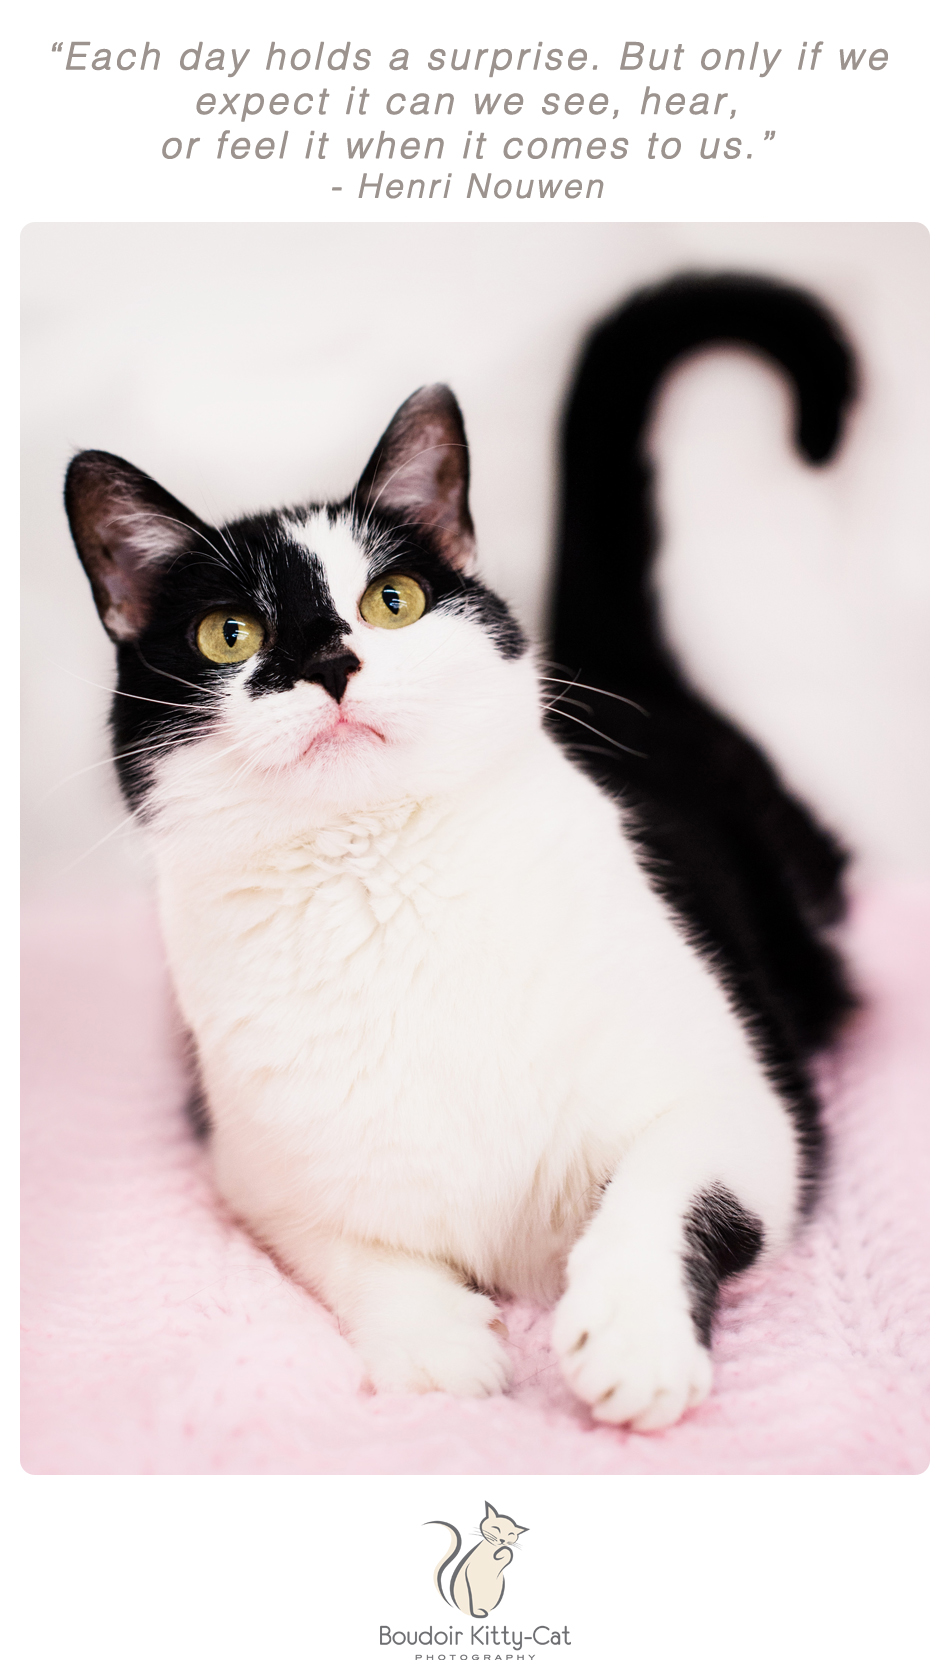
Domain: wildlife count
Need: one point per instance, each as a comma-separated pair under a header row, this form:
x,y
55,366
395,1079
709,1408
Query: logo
x,y
477,1583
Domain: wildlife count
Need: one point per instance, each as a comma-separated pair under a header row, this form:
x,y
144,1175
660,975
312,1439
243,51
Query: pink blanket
x,y
159,1340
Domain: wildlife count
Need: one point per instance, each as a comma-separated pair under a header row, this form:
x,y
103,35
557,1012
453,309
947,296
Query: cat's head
x,y
499,1531
335,657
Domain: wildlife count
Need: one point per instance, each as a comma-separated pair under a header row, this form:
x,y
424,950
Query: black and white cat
x,y
477,1012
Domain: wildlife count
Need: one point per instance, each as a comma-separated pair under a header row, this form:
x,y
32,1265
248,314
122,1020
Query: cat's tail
x,y
735,851
604,619
452,1553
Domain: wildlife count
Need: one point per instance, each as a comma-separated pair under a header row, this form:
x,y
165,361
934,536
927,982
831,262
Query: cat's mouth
x,y
335,732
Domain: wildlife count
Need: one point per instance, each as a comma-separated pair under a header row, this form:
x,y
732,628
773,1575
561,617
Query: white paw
x,y
631,1352
436,1337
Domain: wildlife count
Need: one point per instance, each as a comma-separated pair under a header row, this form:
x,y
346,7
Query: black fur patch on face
x,y
167,690
721,1240
400,545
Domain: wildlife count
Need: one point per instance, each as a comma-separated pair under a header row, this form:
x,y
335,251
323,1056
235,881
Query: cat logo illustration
x,y
477,1581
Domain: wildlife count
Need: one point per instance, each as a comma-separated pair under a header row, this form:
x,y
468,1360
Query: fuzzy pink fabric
x,y
158,1339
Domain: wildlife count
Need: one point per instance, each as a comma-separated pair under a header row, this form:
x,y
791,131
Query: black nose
x,y
332,671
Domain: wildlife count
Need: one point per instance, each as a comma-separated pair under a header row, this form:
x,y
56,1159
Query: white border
x,y
736,1575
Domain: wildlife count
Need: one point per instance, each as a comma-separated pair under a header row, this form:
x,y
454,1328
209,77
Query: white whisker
x,y
164,743
581,703
203,537
606,692
408,463
88,853
195,710
609,739
170,675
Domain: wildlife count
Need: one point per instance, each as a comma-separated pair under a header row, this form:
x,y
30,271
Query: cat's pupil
x,y
230,630
392,599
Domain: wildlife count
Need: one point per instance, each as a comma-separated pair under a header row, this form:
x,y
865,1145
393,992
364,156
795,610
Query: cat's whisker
x,y
241,772
66,870
581,703
225,535
453,631
203,764
203,537
618,744
170,675
239,571
564,688
407,462
161,743
244,585
606,692
588,748
255,764
389,555
178,707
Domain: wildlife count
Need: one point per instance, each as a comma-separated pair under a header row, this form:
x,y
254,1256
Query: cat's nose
x,y
331,670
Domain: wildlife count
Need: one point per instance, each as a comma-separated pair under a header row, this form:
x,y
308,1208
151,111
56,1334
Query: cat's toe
x,y
443,1341
655,1392
633,1361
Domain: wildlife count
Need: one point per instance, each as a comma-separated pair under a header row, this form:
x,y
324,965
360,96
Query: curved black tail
x,y
742,859
608,524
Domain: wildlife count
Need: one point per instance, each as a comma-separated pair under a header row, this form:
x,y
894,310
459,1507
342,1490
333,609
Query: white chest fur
x,y
437,1026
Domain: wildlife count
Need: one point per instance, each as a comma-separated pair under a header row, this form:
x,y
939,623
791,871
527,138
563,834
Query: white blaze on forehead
x,y
343,560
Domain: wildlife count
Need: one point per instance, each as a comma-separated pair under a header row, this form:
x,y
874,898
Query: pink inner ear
x,y
134,542
424,477
126,529
420,466
139,536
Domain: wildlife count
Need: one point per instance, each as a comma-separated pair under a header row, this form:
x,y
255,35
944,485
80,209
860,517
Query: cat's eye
x,y
393,601
227,638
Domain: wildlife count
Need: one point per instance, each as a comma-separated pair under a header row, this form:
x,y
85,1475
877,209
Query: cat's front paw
x,y
631,1354
438,1335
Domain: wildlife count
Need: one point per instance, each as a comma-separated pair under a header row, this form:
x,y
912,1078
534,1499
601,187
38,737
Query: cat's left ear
x,y
420,468
489,1511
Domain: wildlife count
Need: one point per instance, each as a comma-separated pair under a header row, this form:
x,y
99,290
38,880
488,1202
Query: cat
x,y
477,1583
486,1001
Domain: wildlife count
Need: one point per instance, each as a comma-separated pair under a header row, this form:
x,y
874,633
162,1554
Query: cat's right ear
x,y
419,469
127,529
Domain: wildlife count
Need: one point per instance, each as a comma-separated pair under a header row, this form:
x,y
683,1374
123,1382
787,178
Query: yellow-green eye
x,y
392,602
228,637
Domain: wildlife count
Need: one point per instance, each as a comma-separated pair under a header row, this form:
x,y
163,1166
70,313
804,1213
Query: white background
x,y
670,1576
